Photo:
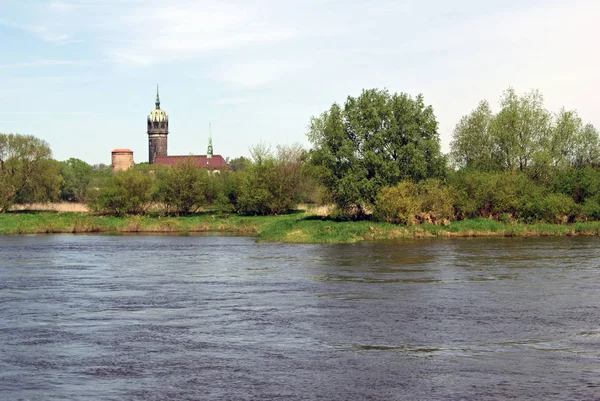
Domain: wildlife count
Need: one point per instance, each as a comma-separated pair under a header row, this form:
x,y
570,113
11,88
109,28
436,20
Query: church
x,y
158,131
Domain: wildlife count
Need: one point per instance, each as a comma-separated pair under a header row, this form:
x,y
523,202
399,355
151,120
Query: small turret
x,y
157,99
209,151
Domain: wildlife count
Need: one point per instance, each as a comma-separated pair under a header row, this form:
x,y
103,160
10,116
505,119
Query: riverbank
x,y
299,227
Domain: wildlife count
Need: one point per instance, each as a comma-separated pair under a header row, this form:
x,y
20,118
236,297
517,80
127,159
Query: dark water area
x,y
225,318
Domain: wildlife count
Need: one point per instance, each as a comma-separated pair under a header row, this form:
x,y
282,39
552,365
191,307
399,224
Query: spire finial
x,y
209,151
157,98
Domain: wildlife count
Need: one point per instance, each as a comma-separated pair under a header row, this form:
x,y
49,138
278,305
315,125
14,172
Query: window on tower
x,y
162,125
155,125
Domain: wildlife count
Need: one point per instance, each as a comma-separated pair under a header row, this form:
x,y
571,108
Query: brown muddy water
x,y
226,318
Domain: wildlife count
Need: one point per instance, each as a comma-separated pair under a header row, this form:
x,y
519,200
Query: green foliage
x,y
376,140
591,209
101,176
128,192
27,172
181,189
524,136
558,208
240,163
77,176
520,129
472,144
408,203
489,194
399,204
231,186
579,183
437,201
272,184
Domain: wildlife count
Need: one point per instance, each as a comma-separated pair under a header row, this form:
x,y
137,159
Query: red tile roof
x,y
216,162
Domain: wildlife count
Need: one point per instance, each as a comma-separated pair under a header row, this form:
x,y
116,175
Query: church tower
x,y
158,129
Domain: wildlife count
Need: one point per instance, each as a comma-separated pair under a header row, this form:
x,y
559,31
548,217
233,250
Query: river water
x,y
226,318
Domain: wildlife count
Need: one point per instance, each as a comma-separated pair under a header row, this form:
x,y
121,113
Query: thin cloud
x,y
46,63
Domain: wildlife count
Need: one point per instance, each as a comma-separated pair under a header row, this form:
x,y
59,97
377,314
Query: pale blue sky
x,y
81,74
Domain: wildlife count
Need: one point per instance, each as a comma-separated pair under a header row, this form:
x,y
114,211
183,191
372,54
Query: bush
x,y
580,184
436,201
591,209
181,190
484,194
558,208
272,184
128,192
399,204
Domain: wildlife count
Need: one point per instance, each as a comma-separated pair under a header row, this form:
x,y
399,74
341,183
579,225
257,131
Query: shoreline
x,y
299,227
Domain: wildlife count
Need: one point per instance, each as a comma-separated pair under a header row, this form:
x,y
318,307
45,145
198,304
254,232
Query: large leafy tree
x,y
27,172
377,139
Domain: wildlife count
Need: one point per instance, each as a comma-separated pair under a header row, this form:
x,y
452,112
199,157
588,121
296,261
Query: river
x,y
95,317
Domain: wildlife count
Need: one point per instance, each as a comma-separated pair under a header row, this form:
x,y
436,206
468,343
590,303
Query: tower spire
x,y
209,151
157,98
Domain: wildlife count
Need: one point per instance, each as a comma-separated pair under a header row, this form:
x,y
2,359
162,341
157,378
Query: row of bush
x,y
573,195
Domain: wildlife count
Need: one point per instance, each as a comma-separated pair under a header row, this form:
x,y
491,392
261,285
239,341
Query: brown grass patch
x,y
64,207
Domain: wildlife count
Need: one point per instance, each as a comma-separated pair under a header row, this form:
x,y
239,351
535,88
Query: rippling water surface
x,y
205,317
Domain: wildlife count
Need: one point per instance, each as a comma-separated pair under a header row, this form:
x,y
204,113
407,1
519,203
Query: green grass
x,y
298,227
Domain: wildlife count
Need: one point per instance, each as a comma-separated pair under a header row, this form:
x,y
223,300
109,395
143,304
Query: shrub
x,y
558,208
591,209
399,204
580,184
272,184
128,192
488,194
436,200
181,189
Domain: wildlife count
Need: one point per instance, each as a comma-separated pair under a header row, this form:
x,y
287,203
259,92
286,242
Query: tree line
x,y
377,156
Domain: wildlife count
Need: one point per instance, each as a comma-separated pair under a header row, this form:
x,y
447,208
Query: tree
x,y
77,176
376,140
525,137
239,163
520,129
27,172
586,149
472,144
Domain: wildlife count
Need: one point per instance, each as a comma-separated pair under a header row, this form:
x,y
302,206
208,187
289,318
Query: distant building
x,y
214,163
158,130
122,159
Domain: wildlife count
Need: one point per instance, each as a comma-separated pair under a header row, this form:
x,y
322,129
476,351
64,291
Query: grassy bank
x,y
300,227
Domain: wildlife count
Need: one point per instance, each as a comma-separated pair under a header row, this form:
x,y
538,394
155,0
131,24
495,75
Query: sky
x,y
82,74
